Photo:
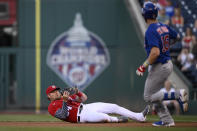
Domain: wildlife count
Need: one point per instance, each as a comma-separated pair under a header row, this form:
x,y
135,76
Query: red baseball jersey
x,y
72,108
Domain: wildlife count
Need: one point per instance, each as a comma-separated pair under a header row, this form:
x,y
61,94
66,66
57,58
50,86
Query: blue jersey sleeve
x,y
172,33
152,38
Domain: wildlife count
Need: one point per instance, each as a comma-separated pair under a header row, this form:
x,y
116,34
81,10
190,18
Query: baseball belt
x,y
80,109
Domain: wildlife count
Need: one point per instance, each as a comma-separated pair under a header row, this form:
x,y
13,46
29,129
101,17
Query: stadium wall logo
x,y
78,56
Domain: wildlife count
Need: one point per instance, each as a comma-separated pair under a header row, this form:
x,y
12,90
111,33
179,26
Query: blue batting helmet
x,y
149,11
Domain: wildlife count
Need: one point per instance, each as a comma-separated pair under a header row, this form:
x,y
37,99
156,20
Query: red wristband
x,y
79,94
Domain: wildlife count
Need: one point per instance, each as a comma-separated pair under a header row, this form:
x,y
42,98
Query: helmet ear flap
x,y
143,12
157,10
154,16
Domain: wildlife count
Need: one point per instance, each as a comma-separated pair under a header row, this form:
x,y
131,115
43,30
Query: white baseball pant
x,y
98,112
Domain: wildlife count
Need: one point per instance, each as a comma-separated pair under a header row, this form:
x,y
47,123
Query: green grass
x,y
48,118
27,118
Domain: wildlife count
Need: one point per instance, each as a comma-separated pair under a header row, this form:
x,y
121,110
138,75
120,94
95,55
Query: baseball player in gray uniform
x,y
158,38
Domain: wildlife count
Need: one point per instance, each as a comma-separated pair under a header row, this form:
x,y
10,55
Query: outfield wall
x,y
110,20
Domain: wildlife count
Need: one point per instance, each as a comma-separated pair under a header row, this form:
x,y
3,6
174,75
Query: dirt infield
x,y
66,124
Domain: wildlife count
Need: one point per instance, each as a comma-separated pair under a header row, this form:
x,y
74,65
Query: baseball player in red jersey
x,y
71,109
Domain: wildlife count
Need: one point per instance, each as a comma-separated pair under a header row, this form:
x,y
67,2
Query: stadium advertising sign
x,y
78,56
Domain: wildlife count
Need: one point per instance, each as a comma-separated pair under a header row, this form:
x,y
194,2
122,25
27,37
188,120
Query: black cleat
x,y
123,119
146,110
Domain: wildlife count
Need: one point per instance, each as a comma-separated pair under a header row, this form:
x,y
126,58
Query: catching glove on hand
x,y
71,90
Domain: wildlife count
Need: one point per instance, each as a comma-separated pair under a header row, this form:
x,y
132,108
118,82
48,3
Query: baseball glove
x,y
71,90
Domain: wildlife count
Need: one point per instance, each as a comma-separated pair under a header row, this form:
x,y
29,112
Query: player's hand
x,y
140,71
65,96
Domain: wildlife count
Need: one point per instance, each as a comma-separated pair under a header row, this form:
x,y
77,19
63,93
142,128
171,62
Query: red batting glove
x,y
140,71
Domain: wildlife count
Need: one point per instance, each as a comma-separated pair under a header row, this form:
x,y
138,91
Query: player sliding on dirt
x,y
68,106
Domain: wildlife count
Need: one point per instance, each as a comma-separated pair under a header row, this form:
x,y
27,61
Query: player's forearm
x,y
81,97
154,54
84,97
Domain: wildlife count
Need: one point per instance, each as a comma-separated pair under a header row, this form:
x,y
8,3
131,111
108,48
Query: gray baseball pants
x,y
158,74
